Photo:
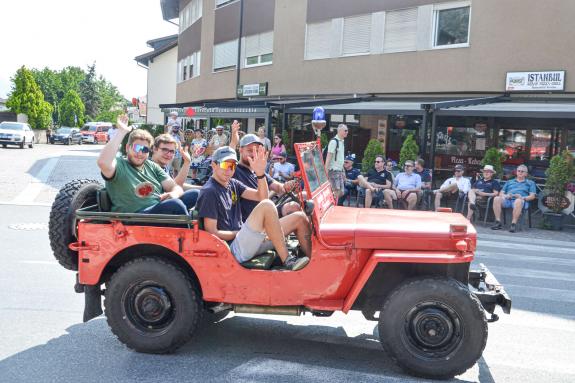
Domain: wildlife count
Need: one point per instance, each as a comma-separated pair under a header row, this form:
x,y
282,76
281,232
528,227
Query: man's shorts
x,y
336,179
509,203
249,243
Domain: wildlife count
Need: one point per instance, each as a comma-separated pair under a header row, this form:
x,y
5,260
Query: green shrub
x,y
373,149
561,170
494,158
409,151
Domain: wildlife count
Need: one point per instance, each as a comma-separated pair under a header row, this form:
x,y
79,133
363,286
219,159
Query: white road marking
x,y
33,189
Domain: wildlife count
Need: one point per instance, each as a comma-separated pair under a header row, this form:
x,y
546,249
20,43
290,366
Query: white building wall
x,y
161,84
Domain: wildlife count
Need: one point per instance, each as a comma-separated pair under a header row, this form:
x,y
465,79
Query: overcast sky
x,y
58,33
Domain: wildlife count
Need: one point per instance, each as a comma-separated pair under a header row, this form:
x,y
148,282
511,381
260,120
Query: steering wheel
x,y
291,196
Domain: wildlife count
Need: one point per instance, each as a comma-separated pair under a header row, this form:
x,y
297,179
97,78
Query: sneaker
x,y
497,226
473,207
292,263
512,228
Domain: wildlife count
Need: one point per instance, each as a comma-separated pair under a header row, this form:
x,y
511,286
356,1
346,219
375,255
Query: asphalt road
x,y
44,339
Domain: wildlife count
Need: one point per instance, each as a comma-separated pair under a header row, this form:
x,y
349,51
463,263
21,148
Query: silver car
x,y
16,133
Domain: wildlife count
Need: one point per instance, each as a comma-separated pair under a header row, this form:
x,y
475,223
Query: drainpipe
x,y
239,49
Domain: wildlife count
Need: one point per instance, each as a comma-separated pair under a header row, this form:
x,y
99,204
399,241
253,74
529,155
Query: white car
x,y
16,133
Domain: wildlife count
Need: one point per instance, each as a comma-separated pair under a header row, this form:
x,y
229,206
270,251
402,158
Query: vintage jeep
x,y
408,270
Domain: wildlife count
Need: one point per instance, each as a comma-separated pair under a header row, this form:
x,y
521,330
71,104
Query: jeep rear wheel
x,y
434,328
152,306
62,225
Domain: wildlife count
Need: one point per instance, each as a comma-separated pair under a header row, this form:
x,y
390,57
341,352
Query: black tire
x,y
433,328
3,145
23,143
31,144
69,142
152,306
62,225
80,141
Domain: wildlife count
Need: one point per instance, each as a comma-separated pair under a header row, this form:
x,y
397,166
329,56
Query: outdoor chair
x,y
526,213
484,209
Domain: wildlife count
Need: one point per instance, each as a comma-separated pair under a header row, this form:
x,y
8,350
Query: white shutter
x,y
266,43
197,59
225,54
356,34
318,39
400,31
252,45
220,2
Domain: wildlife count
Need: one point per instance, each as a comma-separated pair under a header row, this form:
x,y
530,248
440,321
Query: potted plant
x,y
494,158
409,151
373,149
561,170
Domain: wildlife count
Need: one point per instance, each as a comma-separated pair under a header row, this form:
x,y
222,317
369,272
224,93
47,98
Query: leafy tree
x,y
70,78
373,149
27,98
494,158
89,92
409,150
71,107
112,103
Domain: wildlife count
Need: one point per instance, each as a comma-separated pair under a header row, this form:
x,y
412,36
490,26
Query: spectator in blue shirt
x,y
516,194
406,186
483,188
351,180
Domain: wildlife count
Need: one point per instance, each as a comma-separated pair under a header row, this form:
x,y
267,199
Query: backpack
x,y
327,146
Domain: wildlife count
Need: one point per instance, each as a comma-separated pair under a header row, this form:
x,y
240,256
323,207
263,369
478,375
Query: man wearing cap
x,y
172,120
219,139
334,161
517,194
134,183
483,188
376,181
455,184
351,178
220,206
281,169
406,187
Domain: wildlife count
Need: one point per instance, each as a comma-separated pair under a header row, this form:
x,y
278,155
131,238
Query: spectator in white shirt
x,y
455,184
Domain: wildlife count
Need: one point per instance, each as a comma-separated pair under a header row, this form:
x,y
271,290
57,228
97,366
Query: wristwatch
x,y
260,177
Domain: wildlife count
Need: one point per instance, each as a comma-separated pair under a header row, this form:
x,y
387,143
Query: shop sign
x,y
556,202
249,90
449,161
535,81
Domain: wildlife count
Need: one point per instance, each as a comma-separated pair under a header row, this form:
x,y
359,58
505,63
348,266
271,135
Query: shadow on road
x,y
238,349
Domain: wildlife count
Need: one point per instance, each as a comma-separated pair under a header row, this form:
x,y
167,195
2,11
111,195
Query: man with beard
x,y
134,183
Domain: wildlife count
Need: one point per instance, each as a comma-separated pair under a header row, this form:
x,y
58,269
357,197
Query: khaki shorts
x,y
249,243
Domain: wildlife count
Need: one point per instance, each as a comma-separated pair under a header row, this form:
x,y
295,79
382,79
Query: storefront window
x,y
400,127
571,141
544,144
460,141
513,144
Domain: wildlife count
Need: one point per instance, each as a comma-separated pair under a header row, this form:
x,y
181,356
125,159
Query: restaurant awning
x,y
513,109
366,107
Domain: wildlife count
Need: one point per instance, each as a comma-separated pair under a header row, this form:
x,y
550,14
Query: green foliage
x,y
89,92
286,141
26,97
70,107
409,151
494,158
561,171
373,149
70,78
324,140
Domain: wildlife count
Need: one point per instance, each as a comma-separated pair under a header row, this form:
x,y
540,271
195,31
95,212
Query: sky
x,y
60,33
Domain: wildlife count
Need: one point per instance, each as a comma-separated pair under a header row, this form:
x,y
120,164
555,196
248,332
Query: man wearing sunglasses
x,y
220,206
517,194
455,184
128,177
406,187
376,182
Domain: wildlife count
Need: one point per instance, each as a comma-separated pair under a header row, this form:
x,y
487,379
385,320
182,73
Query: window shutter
x,y
266,43
400,31
356,34
252,46
318,40
225,54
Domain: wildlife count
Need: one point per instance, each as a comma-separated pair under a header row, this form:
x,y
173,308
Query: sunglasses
x,y
408,166
168,151
139,148
228,165
521,171
378,162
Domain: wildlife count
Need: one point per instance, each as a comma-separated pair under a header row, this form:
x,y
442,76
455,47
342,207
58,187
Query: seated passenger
x,y
406,187
456,184
134,183
165,147
281,169
220,206
425,175
351,175
482,189
376,182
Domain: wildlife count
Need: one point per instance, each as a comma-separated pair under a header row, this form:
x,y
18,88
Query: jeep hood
x,y
393,229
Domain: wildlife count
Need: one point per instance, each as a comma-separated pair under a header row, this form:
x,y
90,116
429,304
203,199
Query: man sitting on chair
x,y
455,184
482,189
378,180
406,187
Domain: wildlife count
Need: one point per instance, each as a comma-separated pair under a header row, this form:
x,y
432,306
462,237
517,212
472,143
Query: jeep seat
x,y
103,199
263,261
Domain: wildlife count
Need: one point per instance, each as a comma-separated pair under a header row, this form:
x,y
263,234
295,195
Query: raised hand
x,y
258,163
185,153
122,123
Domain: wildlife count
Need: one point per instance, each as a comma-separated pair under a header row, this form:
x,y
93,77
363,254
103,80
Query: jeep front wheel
x,y
434,327
152,306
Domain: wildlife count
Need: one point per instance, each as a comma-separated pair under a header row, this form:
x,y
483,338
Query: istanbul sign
x,y
535,81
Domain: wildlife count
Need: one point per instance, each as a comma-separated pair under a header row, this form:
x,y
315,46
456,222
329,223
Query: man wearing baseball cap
x,y
455,184
483,188
220,206
351,177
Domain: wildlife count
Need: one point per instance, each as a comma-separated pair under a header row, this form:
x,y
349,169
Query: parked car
x,y
95,132
16,133
67,135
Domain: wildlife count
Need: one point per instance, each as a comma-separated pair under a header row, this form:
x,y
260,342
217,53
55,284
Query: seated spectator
x,y
389,164
282,170
220,206
482,189
456,184
377,180
425,175
351,174
134,183
406,187
219,139
516,194
165,147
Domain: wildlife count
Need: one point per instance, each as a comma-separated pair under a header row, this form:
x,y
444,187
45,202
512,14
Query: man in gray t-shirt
x,y
334,161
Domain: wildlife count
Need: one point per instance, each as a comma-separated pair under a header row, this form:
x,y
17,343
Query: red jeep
x,y
408,270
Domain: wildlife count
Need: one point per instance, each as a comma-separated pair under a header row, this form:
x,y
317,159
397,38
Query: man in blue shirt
x,y
351,180
406,187
482,189
516,194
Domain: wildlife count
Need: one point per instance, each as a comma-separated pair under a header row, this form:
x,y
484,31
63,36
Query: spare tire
x,y
62,225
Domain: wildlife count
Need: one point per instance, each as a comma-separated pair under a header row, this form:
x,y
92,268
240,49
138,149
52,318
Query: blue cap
x,y
224,153
350,157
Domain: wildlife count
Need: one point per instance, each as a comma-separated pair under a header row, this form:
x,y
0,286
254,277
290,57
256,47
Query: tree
x,y
89,92
373,149
50,85
112,103
71,109
409,151
494,158
27,98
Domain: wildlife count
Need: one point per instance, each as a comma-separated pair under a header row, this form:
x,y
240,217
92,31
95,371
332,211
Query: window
x,y
221,3
259,49
318,40
225,55
190,14
189,67
571,141
356,35
400,32
451,25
